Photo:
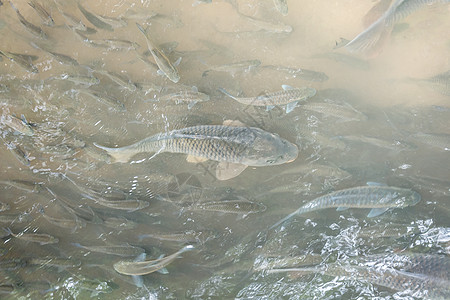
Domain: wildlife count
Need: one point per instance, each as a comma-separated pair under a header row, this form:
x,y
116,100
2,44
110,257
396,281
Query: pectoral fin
x,y
287,87
191,104
138,280
227,170
163,271
290,106
269,107
195,159
374,212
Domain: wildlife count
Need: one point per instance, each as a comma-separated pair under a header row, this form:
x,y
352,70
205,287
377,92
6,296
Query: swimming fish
x,y
235,147
230,206
41,238
120,250
192,96
36,30
94,19
18,124
42,12
289,96
378,197
166,67
146,267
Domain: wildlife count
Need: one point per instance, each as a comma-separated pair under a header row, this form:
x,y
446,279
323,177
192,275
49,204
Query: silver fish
x,y
110,101
18,124
23,60
41,238
119,223
27,186
439,83
73,224
35,30
94,19
58,262
268,26
379,198
126,84
345,112
234,146
147,267
192,96
128,204
289,96
42,12
161,60
233,68
122,250
189,236
230,206
61,58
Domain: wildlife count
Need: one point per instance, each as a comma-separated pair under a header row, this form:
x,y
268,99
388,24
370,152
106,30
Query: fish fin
x,y
118,155
373,183
141,29
342,42
8,231
138,280
269,107
341,208
234,123
226,170
284,219
160,73
195,159
177,62
374,212
163,271
77,245
194,89
140,257
191,104
287,87
227,93
290,106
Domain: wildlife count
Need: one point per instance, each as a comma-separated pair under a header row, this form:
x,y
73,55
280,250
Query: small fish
x,y
27,186
35,30
41,238
230,206
236,147
440,141
59,262
61,58
80,79
234,68
119,223
42,12
110,101
113,22
23,60
113,44
268,26
125,250
128,205
12,264
73,22
150,266
189,236
15,218
18,124
344,112
126,84
94,19
164,65
281,6
379,198
73,224
289,96
439,83
192,96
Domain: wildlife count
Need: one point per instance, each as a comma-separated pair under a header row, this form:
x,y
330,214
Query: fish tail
x,y
141,29
12,5
284,219
118,154
8,231
227,93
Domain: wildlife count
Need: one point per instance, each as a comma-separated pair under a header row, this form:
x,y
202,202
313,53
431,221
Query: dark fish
x,y
94,19
42,12
37,31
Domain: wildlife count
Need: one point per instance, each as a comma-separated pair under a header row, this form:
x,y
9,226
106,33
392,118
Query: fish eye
x,y
270,161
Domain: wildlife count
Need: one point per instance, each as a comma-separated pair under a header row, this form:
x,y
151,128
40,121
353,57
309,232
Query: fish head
x,y
408,198
269,149
173,75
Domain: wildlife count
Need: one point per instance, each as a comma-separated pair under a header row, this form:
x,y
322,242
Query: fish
x,y
73,224
113,103
301,73
15,218
112,44
344,112
189,236
164,64
18,124
230,206
41,238
391,145
35,30
126,84
289,96
146,267
59,262
439,141
127,205
378,31
439,83
61,58
12,264
42,12
268,26
234,68
281,6
27,186
119,250
413,284
234,147
4,206
119,223
23,60
94,20
80,79
192,96
379,198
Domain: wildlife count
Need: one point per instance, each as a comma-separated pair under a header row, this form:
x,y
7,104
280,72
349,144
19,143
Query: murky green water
x,y
379,115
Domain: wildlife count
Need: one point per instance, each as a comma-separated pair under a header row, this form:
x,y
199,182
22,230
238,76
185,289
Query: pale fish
x,y
234,147
146,267
192,97
41,238
94,19
289,96
119,250
35,30
164,65
18,124
42,12
379,198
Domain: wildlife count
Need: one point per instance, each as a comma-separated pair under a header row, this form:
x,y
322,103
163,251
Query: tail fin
x,y
284,219
227,93
118,154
